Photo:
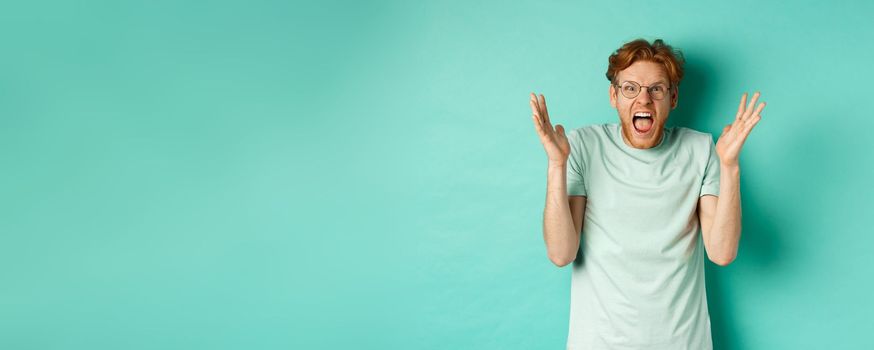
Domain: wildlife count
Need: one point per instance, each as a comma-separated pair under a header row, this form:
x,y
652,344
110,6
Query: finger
x,y
729,131
759,108
756,115
537,124
543,128
749,125
752,122
749,110
543,109
535,109
543,134
740,107
536,102
560,137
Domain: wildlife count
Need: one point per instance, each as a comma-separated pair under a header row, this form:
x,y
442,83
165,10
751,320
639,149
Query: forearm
x,y
724,235
559,233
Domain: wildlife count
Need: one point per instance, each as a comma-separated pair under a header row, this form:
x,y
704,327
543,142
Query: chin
x,y
637,139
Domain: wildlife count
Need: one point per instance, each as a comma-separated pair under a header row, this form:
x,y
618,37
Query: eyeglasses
x,y
631,89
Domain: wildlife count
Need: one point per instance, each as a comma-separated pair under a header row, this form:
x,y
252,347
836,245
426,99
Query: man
x,y
624,203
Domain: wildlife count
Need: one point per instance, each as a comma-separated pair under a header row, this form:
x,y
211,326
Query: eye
x,y
629,88
657,88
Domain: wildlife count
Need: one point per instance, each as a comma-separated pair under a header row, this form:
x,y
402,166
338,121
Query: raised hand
x,y
733,135
554,140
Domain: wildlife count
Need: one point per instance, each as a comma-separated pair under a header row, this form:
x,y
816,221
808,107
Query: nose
x,y
644,96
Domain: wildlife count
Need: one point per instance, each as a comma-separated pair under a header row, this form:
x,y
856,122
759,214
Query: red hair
x,y
641,50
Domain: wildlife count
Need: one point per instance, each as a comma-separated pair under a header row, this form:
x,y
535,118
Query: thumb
x,y
726,128
559,129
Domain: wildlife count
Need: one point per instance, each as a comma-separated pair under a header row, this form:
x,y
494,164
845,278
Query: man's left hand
x,y
733,135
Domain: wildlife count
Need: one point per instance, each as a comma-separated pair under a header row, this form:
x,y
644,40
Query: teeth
x,y
642,114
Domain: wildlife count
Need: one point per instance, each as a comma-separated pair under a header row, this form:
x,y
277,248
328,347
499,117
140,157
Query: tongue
x,y
642,124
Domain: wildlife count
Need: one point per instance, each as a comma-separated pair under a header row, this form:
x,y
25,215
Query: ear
x,y
612,91
675,96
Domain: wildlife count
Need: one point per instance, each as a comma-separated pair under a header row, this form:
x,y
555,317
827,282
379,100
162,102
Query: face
x,y
647,74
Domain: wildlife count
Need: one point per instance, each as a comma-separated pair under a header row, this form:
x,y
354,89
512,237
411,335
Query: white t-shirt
x,y
638,279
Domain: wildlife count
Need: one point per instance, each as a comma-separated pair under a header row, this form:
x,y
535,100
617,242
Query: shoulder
x,y
692,137
700,145
590,132
586,140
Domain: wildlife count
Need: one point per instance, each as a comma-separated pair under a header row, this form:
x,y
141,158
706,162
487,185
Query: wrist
x,y
557,164
733,169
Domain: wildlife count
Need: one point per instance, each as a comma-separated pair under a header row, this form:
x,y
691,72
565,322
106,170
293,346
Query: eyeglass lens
x,y
631,89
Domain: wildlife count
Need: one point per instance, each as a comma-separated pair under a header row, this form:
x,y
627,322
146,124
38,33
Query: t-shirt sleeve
x,y
710,185
576,166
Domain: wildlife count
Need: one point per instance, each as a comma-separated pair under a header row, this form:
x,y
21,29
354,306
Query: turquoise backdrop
x,y
365,175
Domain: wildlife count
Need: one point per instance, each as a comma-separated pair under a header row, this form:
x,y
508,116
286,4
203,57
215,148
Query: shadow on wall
x,y
759,250
758,245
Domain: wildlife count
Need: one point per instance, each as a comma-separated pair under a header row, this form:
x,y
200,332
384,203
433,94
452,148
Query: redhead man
x,y
626,202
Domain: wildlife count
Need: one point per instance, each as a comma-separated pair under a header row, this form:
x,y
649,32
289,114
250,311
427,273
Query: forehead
x,y
644,72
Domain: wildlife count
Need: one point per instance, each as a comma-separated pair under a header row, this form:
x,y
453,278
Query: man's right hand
x,y
554,140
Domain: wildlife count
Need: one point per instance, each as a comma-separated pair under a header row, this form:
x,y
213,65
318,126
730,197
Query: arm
x,y
721,216
562,216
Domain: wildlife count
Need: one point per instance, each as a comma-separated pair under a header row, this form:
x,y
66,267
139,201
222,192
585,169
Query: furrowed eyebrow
x,y
657,82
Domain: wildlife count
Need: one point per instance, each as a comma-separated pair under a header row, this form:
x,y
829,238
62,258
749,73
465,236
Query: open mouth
x,y
642,122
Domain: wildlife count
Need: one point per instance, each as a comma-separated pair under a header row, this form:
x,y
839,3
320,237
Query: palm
x,y
553,139
735,134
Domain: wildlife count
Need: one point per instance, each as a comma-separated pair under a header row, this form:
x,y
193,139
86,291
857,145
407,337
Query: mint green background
x,y
276,175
